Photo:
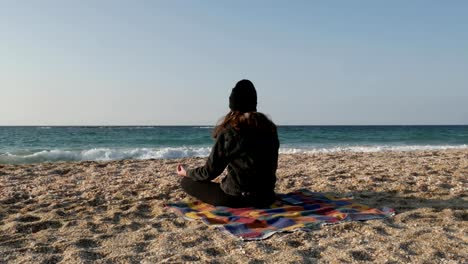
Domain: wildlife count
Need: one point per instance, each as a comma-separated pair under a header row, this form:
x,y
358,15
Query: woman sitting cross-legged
x,y
247,144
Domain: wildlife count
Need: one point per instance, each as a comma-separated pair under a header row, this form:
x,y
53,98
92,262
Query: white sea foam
x,y
106,154
376,148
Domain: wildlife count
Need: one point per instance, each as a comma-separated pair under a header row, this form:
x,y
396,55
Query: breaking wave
x,y
375,148
107,154
103,154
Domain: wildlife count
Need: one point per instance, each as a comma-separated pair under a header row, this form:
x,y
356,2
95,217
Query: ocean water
x,y
19,145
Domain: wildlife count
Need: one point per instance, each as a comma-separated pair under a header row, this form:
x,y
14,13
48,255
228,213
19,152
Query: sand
x,y
112,212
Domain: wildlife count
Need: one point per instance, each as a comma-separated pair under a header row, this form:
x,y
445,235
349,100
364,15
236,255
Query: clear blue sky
x,y
174,62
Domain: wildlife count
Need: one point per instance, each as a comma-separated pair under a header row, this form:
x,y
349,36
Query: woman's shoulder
x,y
228,132
239,125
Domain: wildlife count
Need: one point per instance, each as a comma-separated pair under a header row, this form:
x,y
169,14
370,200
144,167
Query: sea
x,y
35,144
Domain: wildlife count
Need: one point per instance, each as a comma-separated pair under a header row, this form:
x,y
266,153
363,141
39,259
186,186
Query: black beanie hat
x,y
243,97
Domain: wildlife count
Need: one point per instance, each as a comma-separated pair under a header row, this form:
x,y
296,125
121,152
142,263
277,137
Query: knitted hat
x,y
243,97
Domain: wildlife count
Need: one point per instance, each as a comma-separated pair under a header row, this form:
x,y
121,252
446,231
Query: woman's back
x,y
251,145
246,143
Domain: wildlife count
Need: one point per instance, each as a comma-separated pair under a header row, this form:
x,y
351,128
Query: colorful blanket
x,y
301,209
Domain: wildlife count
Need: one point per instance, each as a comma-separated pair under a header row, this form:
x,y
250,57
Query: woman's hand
x,y
181,171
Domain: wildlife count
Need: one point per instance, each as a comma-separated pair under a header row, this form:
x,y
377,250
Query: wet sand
x,y
112,212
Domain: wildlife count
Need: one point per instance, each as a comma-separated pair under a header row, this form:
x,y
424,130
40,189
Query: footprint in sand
x,y
104,236
310,253
44,249
148,237
179,224
90,255
61,204
101,208
256,261
143,211
406,246
27,219
36,227
266,247
71,223
134,226
189,244
381,231
190,258
116,218
17,243
95,228
212,252
63,213
119,228
87,243
140,247
360,255
157,226
461,216
52,260
294,243
125,207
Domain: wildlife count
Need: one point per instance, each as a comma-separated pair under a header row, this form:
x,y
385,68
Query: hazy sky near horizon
x,y
175,62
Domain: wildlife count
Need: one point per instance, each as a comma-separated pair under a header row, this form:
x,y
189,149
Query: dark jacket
x,y
251,157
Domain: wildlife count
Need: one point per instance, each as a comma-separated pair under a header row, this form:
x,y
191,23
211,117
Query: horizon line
x,y
204,125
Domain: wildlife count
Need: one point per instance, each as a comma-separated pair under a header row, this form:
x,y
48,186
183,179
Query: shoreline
x,y
186,152
113,211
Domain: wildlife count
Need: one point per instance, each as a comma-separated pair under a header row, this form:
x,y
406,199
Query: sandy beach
x,y
113,212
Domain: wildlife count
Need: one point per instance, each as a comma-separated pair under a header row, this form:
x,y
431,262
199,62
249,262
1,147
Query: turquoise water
x,y
49,144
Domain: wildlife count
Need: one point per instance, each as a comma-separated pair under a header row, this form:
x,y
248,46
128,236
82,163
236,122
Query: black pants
x,y
211,192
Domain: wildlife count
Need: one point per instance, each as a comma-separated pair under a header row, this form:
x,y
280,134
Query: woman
x,y
247,144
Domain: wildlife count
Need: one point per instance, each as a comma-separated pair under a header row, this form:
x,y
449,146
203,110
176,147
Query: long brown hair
x,y
240,120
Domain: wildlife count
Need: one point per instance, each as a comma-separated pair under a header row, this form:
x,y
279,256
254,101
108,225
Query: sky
x,y
175,62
